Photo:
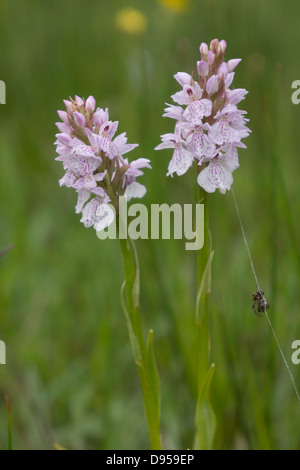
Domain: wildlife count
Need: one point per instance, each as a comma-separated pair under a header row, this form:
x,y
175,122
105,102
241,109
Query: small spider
x,y
260,303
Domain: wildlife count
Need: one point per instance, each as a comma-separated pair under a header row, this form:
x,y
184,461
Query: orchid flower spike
x,y
94,163
209,127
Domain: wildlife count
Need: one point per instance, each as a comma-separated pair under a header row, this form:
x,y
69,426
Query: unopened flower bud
x,y
232,64
203,68
79,101
212,85
210,57
203,50
63,128
79,119
64,138
64,116
90,104
223,45
214,45
223,70
69,106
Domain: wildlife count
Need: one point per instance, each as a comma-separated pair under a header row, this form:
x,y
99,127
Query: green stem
x,y
205,416
111,193
202,315
143,354
132,295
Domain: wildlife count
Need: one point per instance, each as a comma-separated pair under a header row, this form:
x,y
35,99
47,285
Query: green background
x,y
70,375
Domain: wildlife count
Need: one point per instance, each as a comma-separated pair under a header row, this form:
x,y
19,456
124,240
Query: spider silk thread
x,y
258,287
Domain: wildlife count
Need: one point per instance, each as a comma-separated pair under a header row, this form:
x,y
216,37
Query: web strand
x,y
245,239
265,302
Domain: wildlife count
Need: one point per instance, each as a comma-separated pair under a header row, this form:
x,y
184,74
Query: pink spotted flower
x,y
209,127
94,162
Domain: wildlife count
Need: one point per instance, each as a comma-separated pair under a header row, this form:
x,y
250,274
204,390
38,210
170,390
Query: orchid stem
x,y
205,416
202,317
143,354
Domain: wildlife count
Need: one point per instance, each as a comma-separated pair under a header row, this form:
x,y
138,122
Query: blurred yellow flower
x,y
58,447
175,5
131,21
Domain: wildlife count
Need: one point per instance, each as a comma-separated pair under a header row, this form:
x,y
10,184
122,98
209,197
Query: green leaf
x,y
133,339
204,288
136,285
205,417
151,390
153,377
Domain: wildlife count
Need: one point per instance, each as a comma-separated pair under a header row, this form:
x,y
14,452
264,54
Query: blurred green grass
x,y
70,376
